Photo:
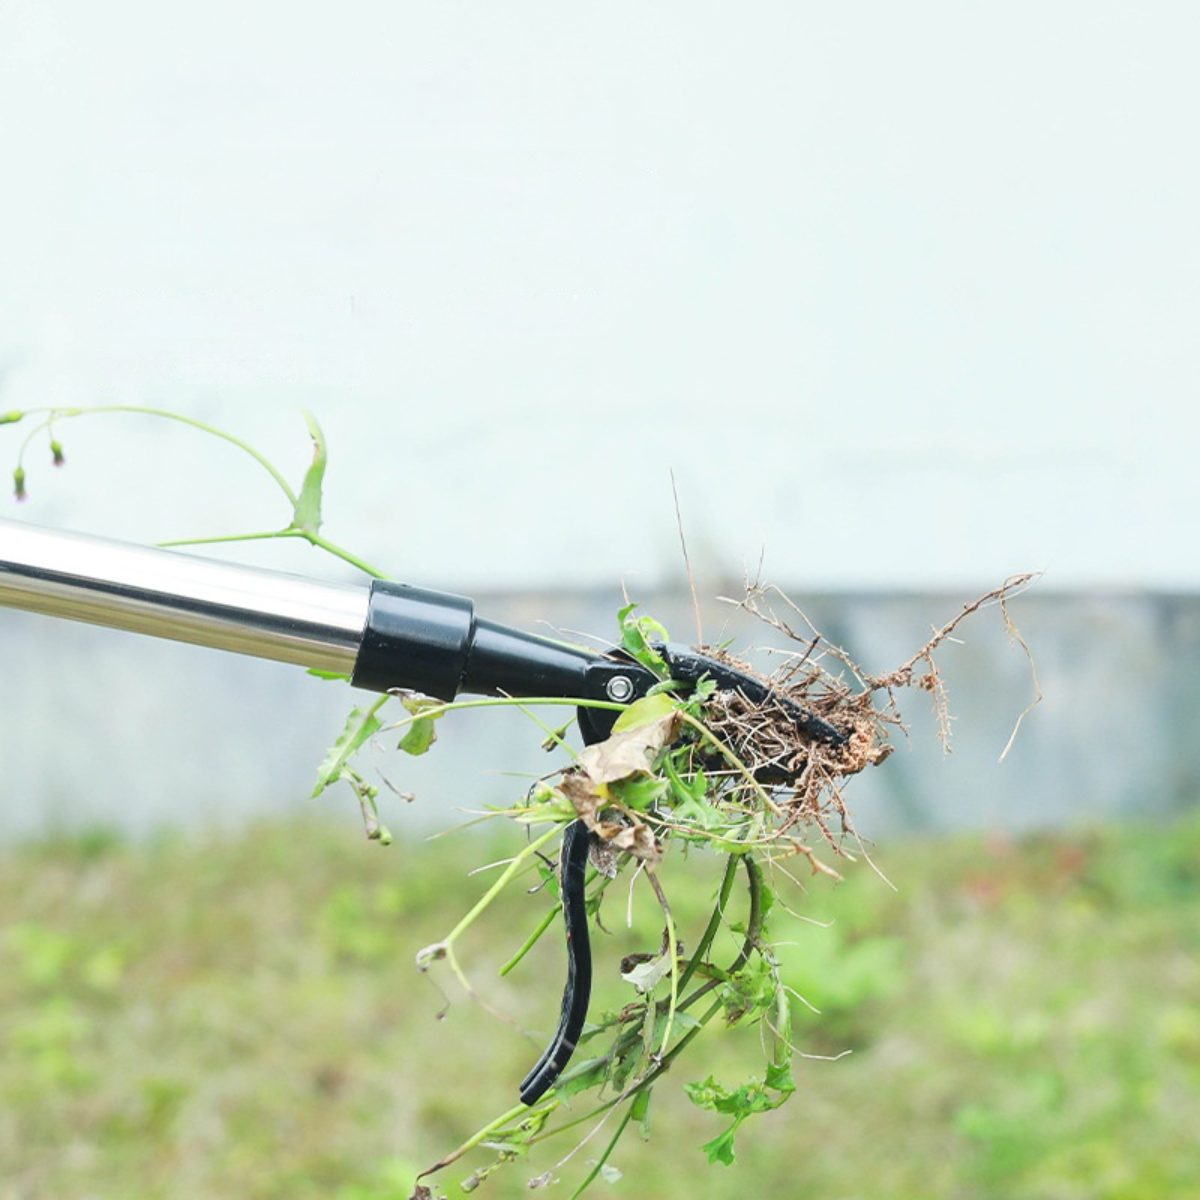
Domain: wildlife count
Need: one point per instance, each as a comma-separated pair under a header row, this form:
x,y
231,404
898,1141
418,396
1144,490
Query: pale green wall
x,y
904,293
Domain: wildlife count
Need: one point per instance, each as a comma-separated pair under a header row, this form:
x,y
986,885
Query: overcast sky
x,y
906,295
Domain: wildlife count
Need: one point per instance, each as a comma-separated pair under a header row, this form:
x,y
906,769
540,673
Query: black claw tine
x,y
577,993
690,666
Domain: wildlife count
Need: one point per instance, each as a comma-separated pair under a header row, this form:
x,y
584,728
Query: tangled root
x,y
808,776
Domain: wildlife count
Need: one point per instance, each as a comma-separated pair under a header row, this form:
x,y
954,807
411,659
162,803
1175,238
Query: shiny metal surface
x,y
166,594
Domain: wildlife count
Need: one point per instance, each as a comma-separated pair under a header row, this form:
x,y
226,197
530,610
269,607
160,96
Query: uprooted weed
x,y
706,769
809,775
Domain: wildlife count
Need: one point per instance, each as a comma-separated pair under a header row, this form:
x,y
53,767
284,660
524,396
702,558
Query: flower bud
x,y
19,483
57,450
11,418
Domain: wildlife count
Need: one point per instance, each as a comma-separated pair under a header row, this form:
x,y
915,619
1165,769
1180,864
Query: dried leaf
x,y
583,796
604,858
645,975
630,751
638,840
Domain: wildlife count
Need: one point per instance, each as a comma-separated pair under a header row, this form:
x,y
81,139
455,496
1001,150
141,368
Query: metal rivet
x,y
619,688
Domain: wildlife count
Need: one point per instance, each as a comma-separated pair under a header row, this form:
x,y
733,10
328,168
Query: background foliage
x,y
240,1016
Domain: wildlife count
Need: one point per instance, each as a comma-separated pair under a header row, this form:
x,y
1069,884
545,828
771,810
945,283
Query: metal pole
x,y
165,594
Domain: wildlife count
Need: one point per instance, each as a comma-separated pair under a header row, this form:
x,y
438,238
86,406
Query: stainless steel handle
x,y
165,594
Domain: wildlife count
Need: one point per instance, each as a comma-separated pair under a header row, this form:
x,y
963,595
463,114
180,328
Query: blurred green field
x,y
240,1016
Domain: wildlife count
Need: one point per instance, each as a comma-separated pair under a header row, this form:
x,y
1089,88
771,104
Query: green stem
x,y
323,543
754,877
749,943
672,1054
605,1154
672,950
674,997
507,701
225,537
655,1074
714,922
506,875
445,948
475,1138
532,939
46,424
314,539
204,427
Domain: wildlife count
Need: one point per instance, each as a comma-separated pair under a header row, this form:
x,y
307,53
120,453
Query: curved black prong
x,y
578,990
690,666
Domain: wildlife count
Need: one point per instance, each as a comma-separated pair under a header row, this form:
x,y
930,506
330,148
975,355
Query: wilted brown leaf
x,y
637,839
581,792
629,752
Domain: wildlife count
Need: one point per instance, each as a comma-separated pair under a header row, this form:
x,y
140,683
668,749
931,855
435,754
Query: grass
x,y
239,1016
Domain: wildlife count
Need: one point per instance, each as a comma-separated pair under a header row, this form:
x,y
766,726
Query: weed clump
x,y
808,775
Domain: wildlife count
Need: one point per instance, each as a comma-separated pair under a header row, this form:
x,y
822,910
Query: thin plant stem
x,y
507,874
312,536
672,950
714,923
605,1154
507,701
142,410
532,939
323,543
478,1136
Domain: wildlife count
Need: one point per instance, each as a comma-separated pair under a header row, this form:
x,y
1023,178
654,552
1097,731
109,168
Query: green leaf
x,y
682,1022
720,1149
645,711
703,1094
592,1076
690,799
750,990
635,639
622,1068
779,1077
766,903
361,724
639,794
317,673
750,1098
639,1111
421,734
307,513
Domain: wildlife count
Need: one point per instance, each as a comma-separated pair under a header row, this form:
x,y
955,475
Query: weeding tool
x,y
385,637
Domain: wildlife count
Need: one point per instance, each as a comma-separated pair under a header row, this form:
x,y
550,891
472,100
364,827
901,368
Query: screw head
x,y
619,688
